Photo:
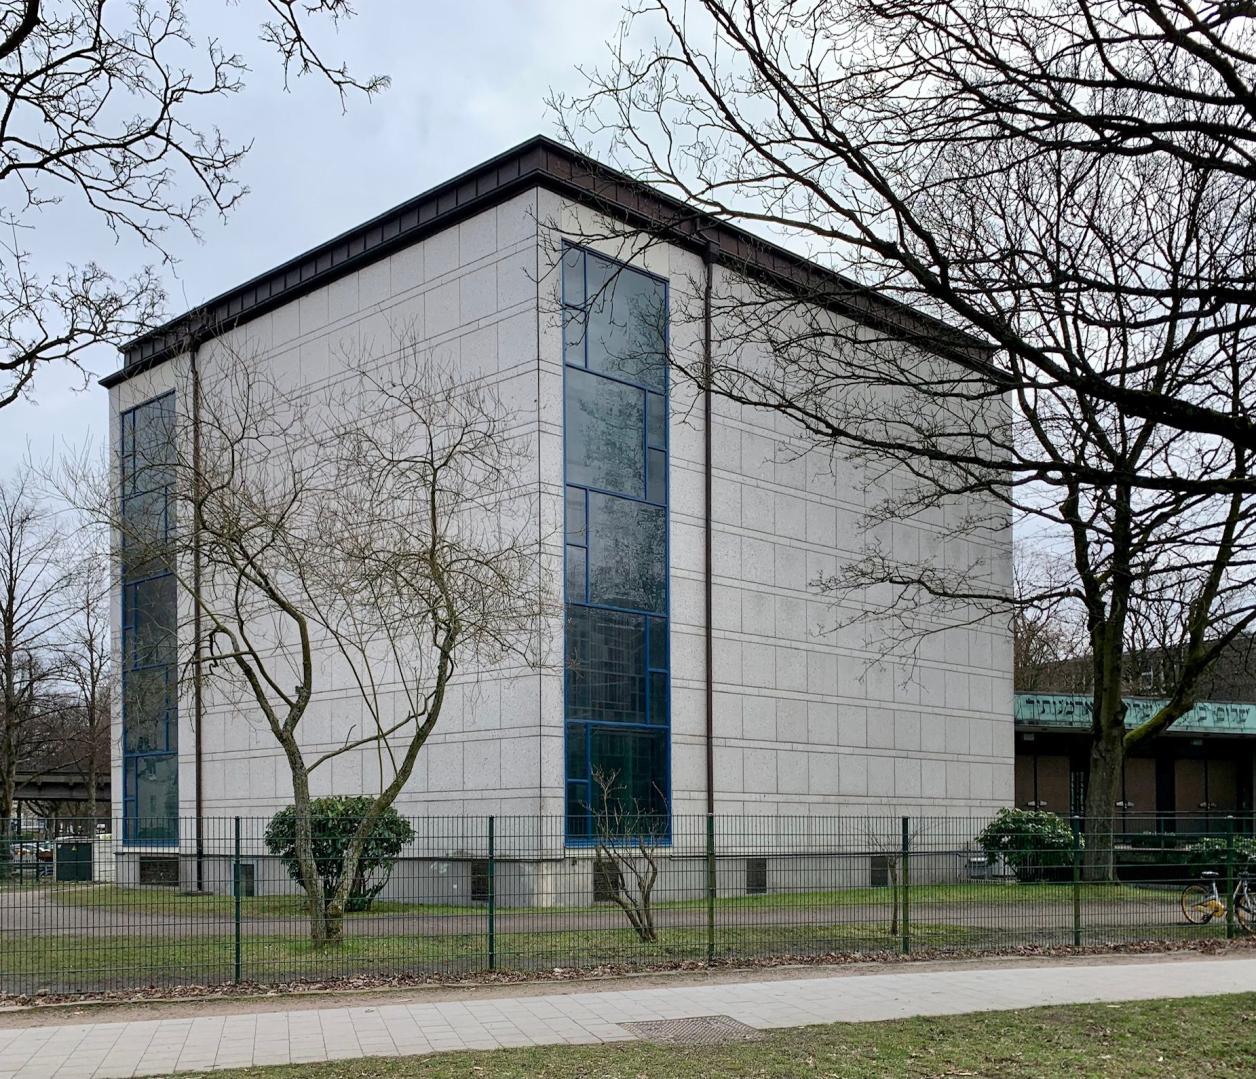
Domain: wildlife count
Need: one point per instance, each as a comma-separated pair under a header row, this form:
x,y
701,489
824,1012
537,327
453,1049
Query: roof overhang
x,y
541,162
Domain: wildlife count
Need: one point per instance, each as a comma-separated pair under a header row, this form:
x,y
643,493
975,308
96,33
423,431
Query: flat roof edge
x,y
538,162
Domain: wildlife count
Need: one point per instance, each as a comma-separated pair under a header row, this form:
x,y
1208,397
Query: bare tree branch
x,y
1073,182
104,107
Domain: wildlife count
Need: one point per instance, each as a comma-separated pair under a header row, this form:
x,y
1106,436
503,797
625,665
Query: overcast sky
x,y
468,81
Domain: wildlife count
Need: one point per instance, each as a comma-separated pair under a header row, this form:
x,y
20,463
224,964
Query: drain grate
x,y
701,1030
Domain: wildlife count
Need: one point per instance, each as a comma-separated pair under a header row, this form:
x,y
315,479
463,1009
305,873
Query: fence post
x,y
710,886
906,859
492,893
1077,882
1229,878
236,889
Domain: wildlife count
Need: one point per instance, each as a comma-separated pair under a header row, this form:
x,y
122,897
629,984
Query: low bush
x,y
1177,856
1154,840
1034,844
1210,853
334,820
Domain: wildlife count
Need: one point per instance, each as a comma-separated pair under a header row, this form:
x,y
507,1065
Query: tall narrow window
x,y
150,731
617,685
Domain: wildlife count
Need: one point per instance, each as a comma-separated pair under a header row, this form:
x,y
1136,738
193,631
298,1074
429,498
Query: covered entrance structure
x,y
1189,779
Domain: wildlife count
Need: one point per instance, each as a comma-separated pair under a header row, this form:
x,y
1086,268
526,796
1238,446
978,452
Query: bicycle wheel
x,y
1197,904
1245,910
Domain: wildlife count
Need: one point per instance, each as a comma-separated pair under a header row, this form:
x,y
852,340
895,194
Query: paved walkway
x,y
166,1046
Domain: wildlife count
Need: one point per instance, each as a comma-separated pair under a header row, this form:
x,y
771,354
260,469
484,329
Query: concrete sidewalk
x,y
165,1046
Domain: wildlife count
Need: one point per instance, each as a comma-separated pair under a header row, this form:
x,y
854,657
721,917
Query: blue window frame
x,y
150,720
617,662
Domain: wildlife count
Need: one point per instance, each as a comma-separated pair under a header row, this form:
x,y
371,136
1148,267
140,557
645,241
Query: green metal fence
x,y
82,911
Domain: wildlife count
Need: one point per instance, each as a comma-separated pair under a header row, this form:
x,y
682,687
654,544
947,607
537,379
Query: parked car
x,y
29,858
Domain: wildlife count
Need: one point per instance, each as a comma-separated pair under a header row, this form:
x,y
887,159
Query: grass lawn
x,y
163,900
1214,1037
199,949
169,901
63,962
956,895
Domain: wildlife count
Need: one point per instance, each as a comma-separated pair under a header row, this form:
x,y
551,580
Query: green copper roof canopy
x,y
1072,712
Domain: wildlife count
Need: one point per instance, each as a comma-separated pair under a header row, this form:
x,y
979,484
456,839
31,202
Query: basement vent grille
x,y
702,1030
479,880
607,881
246,880
159,869
756,876
879,871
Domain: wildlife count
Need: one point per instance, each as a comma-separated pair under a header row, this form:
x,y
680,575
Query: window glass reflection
x,y
575,574
656,422
658,644
156,793
573,276
145,534
626,323
604,424
627,556
575,516
658,697
635,763
656,477
146,698
150,795
615,443
148,612
605,666
154,450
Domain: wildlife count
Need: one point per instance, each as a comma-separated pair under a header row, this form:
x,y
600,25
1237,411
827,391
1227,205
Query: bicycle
x,y
1202,902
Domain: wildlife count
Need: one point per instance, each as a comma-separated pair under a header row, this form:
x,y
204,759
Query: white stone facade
x,y
806,721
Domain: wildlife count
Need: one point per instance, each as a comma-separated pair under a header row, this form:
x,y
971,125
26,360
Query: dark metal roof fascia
x,y
539,162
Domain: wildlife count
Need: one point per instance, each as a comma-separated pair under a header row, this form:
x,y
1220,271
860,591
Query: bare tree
x,y
1114,417
382,529
105,107
31,613
883,834
84,659
851,125
626,838
63,740
1049,639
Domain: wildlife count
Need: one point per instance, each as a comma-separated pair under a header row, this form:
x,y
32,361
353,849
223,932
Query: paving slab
x,y
111,1050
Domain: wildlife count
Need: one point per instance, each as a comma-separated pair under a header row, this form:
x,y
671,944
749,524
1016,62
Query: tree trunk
x,y
1103,789
8,789
891,865
307,864
92,808
8,749
334,923
350,866
93,765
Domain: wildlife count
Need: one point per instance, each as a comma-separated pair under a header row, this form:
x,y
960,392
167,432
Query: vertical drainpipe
x,y
709,253
198,709
540,523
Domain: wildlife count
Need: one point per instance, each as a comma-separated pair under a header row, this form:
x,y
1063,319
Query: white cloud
x,y
469,80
